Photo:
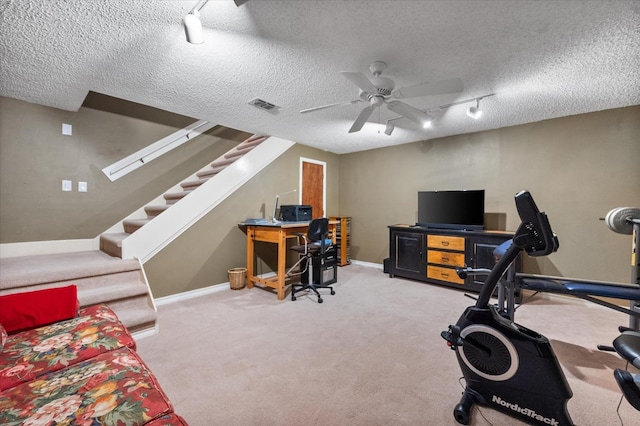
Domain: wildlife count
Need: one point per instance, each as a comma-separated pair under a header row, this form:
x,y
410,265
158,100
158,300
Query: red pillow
x,y
21,311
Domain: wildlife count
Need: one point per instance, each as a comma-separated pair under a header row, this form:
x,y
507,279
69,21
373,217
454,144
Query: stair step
x,y
192,184
208,173
25,271
44,279
223,162
93,295
173,197
112,243
242,149
239,151
253,141
135,313
132,225
153,211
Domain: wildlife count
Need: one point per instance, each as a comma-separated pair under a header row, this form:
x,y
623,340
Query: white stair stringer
x,y
166,227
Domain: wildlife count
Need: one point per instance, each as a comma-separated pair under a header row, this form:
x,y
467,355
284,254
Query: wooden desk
x,y
277,233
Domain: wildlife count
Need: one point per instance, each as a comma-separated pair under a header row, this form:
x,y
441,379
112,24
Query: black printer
x,y
295,213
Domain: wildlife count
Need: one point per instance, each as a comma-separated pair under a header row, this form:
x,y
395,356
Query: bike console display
x,y
534,235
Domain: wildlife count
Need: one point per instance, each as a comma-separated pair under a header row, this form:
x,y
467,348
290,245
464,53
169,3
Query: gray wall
x,y
35,157
577,168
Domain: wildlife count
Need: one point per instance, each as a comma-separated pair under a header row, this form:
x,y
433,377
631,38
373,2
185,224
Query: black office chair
x,y
317,255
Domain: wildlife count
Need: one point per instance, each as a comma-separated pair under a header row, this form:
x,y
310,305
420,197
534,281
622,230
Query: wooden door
x,y
313,186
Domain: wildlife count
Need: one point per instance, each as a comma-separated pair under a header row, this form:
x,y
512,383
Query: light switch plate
x,y
67,129
67,185
82,186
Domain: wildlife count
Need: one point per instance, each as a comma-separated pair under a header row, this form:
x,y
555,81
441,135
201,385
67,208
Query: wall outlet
x,y
82,186
67,185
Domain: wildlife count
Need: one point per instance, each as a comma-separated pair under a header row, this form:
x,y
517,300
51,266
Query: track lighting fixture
x,y
474,111
193,28
426,123
426,119
192,24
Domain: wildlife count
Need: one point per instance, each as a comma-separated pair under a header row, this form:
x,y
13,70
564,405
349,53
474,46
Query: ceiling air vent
x,y
259,103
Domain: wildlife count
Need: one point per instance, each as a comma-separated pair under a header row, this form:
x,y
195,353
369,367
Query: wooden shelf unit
x,y
432,255
343,239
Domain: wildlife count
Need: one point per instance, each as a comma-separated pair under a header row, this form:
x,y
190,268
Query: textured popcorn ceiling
x,y
542,59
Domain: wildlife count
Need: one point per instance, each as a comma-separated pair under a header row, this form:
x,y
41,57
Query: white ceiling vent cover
x,y
259,103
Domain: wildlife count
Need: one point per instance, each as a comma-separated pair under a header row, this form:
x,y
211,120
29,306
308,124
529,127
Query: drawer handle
x,y
445,243
445,275
445,259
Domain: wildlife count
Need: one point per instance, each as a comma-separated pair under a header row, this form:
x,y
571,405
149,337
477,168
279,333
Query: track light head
x,y
389,129
193,28
474,111
427,121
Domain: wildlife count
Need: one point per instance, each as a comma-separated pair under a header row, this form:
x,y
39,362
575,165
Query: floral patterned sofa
x,y
81,371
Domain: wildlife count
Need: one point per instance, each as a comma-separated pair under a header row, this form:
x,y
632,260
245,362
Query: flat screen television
x,y
463,210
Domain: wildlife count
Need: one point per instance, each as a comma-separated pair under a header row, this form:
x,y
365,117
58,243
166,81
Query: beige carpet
x,y
370,355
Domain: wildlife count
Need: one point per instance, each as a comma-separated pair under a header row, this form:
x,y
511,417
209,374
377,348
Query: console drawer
x,y
445,258
443,274
445,242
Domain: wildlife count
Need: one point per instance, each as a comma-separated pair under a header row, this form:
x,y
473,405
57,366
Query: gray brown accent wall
x,y
35,157
203,254
577,168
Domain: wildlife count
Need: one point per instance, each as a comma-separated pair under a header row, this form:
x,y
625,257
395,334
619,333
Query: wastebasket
x,y
237,278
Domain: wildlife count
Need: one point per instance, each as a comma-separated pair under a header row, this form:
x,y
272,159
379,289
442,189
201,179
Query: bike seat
x,y
628,346
629,385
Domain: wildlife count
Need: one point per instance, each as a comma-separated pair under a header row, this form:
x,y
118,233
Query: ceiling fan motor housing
x,y
384,86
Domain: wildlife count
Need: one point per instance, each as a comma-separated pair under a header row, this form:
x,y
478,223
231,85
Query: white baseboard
x,y
160,301
199,292
368,264
166,300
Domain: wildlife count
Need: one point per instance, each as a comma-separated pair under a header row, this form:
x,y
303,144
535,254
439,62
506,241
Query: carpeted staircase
x,y
111,243
100,278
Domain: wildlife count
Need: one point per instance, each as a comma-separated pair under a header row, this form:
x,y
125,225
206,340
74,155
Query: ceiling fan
x,y
381,90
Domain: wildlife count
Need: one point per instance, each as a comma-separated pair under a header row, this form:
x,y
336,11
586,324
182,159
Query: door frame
x,y
324,180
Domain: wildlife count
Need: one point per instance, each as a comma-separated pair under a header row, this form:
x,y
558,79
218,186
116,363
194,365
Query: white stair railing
x,y
166,227
155,150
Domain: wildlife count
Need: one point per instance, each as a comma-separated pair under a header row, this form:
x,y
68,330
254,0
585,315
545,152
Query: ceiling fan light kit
x,y
389,129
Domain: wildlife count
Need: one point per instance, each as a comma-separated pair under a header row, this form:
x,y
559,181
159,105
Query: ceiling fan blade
x,y
412,113
362,118
360,80
453,85
355,101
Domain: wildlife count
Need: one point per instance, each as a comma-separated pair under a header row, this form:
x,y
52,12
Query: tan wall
x,y
35,157
577,168
202,255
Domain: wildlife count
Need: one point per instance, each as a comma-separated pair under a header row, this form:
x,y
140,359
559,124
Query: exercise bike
x,y
506,366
